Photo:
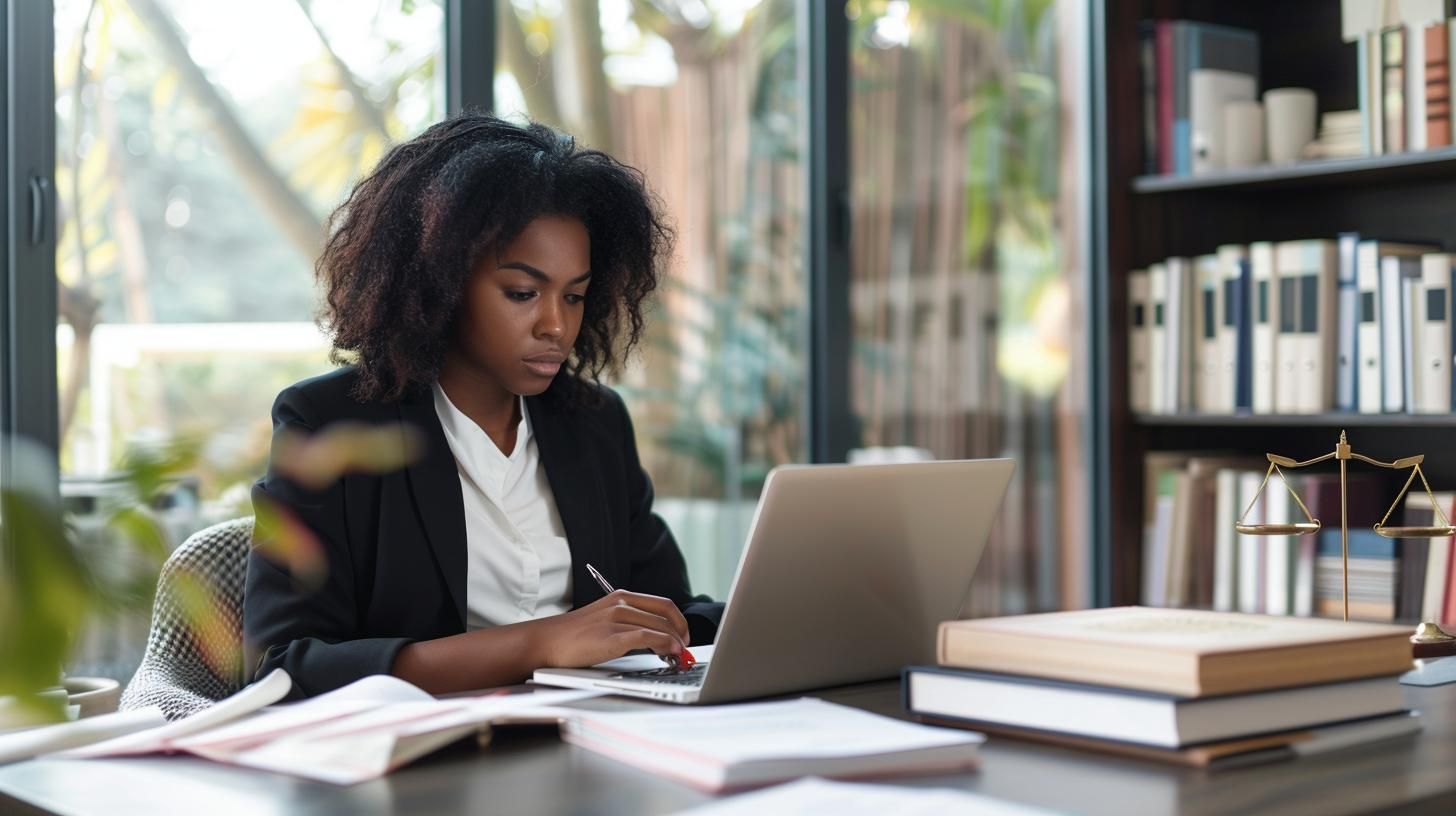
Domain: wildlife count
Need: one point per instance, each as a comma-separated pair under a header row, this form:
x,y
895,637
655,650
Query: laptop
x,y
846,574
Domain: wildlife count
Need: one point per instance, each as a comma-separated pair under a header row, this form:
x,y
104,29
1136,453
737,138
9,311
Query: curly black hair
x,y
403,244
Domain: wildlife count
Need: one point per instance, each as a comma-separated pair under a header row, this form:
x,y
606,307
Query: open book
x,y
352,734
739,746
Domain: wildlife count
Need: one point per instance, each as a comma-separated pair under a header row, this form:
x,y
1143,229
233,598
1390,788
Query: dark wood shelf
x,y
1331,420
1394,167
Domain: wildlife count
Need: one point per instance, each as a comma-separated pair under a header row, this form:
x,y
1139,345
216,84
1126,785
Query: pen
x,y
684,659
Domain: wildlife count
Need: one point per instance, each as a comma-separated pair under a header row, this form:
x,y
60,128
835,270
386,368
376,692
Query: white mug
x,y
1289,122
1243,134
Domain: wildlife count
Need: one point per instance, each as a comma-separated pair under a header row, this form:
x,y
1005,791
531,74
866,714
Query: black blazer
x,y
395,543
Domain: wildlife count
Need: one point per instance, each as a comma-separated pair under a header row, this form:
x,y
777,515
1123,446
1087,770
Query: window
x,y
705,99
966,167
200,146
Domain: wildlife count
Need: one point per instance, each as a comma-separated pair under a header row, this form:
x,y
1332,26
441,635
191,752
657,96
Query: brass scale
x,y
1428,633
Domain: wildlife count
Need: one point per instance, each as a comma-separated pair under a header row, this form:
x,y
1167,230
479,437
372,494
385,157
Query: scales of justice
x,y
1429,640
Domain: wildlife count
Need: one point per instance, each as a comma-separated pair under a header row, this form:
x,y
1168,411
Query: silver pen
x,y
671,660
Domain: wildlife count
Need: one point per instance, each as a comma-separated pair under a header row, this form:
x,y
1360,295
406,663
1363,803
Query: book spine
x,y
1230,258
1411,334
1210,290
1371,82
1392,87
1435,335
1164,29
1371,378
1347,328
1415,87
1265,297
1438,85
1157,332
1225,554
1148,58
1244,318
1137,345
1181,137
1318,303
1362,74
1392,391
1289,272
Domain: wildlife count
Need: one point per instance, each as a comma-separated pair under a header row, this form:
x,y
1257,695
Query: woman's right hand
x,y
608,628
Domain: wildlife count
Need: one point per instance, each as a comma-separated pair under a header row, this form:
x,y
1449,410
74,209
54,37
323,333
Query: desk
x,y
531,771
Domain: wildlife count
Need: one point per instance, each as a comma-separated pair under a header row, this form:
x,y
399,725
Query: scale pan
x,y
1298,528
1415,532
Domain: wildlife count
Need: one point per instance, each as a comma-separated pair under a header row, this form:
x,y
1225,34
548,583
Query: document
x,y
359,732
734,746
47,739
813,796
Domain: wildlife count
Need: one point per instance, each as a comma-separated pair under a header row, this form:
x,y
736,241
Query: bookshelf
x,y
1142,219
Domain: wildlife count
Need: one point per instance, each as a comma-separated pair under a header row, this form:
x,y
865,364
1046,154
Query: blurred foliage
x,y
57,580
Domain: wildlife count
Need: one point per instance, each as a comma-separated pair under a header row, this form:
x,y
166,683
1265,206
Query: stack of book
x,y
1190,687
1339,136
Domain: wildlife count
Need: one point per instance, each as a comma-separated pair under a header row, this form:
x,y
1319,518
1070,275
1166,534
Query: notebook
x,y
748,745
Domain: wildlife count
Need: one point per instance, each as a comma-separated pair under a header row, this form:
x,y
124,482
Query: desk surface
x,y
531,771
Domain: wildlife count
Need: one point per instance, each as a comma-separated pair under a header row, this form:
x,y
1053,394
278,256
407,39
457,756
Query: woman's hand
x,y
608,628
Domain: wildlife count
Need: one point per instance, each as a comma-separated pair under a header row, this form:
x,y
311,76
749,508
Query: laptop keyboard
x,y
692,676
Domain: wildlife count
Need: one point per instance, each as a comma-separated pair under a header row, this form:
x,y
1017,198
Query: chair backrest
x,y
194,653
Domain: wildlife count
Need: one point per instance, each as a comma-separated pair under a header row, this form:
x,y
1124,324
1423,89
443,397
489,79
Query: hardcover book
x,y
1189,652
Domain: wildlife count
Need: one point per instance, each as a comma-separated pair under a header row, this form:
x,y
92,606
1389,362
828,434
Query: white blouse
x,y
518,563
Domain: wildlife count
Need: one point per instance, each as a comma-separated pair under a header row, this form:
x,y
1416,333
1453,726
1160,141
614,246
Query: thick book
x,y
1239,752
730,747
1145,718
1188,652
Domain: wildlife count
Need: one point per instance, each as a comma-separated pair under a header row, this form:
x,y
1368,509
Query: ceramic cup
x,y
1243,134
1289,122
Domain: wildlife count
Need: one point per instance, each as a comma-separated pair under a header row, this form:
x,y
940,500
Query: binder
x,y
1157,342
1137,343
1347,326
1206,388
1433,310
1266,305
1232,261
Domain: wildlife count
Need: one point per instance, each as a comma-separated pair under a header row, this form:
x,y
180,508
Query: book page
x,y
46,739
265,692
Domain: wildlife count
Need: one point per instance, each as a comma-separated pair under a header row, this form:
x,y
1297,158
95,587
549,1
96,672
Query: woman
x,y
480,280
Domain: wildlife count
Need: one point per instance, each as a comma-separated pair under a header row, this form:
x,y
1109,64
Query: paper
x,y
811,797
358,732
50,738
269,690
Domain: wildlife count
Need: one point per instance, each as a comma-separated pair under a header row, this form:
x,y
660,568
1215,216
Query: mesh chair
x,y
194,651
